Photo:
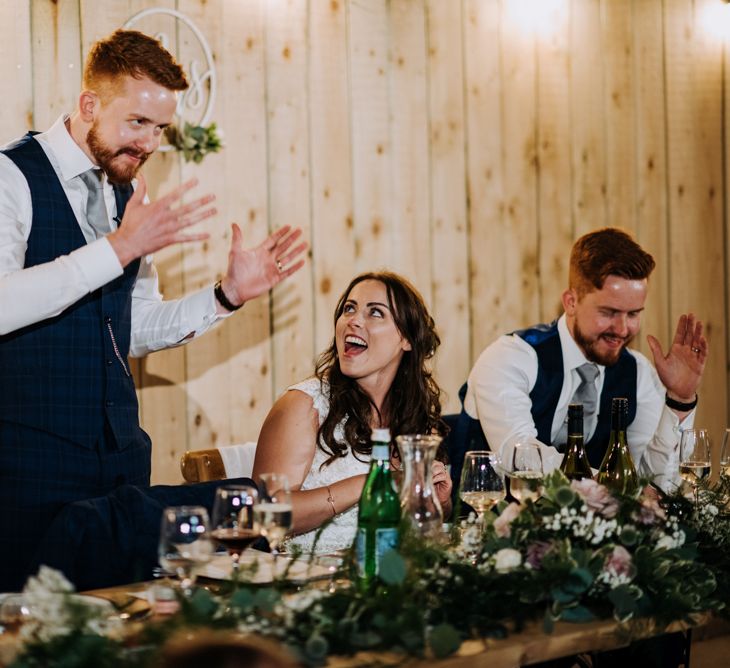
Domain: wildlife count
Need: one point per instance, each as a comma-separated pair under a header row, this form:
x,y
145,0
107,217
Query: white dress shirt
x,y
34,294
499,397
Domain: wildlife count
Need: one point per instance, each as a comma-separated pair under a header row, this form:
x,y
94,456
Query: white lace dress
x,y
340,532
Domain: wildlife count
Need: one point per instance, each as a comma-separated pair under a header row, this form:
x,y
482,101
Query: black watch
x,y
223,300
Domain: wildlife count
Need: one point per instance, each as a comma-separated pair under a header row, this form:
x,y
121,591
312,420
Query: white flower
x,y
507,559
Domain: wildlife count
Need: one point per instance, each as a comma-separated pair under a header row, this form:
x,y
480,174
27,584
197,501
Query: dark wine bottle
x,y
617,468
575,461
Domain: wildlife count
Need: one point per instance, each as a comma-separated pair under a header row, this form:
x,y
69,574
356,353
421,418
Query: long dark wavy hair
x,y
413,402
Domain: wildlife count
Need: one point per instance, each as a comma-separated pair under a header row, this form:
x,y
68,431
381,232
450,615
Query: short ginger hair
x,y
130,53
606,252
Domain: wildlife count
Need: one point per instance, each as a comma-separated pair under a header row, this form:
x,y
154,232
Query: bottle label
x,y
385,539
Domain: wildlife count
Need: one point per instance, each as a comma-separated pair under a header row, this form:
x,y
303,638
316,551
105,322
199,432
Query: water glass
x,y
482,481
185,542
273,512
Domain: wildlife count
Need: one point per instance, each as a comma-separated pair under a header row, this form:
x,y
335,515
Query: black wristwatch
x,y
678,405
223,300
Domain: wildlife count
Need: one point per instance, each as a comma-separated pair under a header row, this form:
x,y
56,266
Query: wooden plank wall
x,y
463,143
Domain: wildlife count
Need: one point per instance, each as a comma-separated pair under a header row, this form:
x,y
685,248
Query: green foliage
x,y
576,555
194,141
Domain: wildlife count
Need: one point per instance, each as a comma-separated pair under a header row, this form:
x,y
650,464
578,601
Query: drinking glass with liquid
x,y
694,457
482,481
525,472
725,455
234,523
273,512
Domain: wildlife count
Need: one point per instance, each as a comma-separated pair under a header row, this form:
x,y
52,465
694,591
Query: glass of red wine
x,y
234,521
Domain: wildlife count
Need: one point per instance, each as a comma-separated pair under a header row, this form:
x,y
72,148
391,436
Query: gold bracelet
x,y
331,501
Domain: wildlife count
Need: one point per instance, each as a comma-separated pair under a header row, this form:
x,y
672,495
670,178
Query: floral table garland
x,y
578,554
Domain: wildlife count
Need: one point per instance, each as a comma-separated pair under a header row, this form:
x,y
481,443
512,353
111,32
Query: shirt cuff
x,y
98,263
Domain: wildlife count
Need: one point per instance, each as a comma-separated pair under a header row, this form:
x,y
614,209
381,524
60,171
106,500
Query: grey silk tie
x,y
587,395
96,213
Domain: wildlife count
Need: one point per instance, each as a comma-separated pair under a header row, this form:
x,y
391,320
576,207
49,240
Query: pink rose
x,y
619,562
502,523
650,510
596,497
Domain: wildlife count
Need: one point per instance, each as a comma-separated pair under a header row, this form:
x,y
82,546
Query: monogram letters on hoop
x,y
171,27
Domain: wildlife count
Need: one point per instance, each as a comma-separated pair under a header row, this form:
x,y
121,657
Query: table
x,y
529,646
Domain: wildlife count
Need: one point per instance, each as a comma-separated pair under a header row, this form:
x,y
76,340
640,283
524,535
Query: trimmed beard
x,y
105,158
588,346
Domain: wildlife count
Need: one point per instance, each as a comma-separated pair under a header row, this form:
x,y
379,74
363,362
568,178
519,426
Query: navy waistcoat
x,y
619,381
66,374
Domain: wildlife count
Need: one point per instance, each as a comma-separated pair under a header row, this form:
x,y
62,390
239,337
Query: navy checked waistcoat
x,y
66,374
619,381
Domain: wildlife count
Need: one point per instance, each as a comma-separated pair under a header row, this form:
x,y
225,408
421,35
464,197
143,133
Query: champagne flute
x,y
694,457
273,512
185,543
482,483
525,472
725,455
234,524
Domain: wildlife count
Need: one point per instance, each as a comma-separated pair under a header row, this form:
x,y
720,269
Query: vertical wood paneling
x,y
448,207
450,141
331,164
289,181
241,102
16,82
519,127
484,148
554,182
694,91
208,420
619,113
57,64
587,118
370,127
651,165
409,87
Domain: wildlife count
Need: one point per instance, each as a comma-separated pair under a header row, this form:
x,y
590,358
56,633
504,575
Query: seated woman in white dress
x,y
374,374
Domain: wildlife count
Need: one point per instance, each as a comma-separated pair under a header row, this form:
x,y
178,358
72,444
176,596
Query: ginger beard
x,y
117,170
591,346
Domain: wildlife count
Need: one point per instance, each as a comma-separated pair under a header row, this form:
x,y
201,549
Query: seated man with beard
x,y
522,384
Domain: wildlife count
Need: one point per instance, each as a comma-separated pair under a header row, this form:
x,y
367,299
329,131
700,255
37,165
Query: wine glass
x,y
725,455
525,472
694,457
482,483
273,512
234,524
185,542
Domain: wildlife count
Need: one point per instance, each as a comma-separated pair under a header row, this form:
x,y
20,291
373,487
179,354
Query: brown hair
x,y
131,53
412,404
606,252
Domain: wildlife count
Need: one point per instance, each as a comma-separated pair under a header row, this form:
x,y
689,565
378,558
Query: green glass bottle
x,y
617,468
575,461
379,511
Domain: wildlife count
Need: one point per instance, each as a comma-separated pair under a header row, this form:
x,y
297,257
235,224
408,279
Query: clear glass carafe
x,y
419,501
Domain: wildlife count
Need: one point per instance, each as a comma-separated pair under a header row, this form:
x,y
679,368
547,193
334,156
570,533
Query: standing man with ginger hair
x,y
79,292
521,385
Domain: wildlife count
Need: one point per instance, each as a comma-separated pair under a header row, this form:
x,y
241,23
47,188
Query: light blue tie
x,y
585,394
96,213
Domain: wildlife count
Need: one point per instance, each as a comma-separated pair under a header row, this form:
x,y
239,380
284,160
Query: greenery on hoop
x,y
578,553
195,141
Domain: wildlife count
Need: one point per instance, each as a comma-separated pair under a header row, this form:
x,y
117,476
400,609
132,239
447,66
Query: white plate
x,y
91,601
258,567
